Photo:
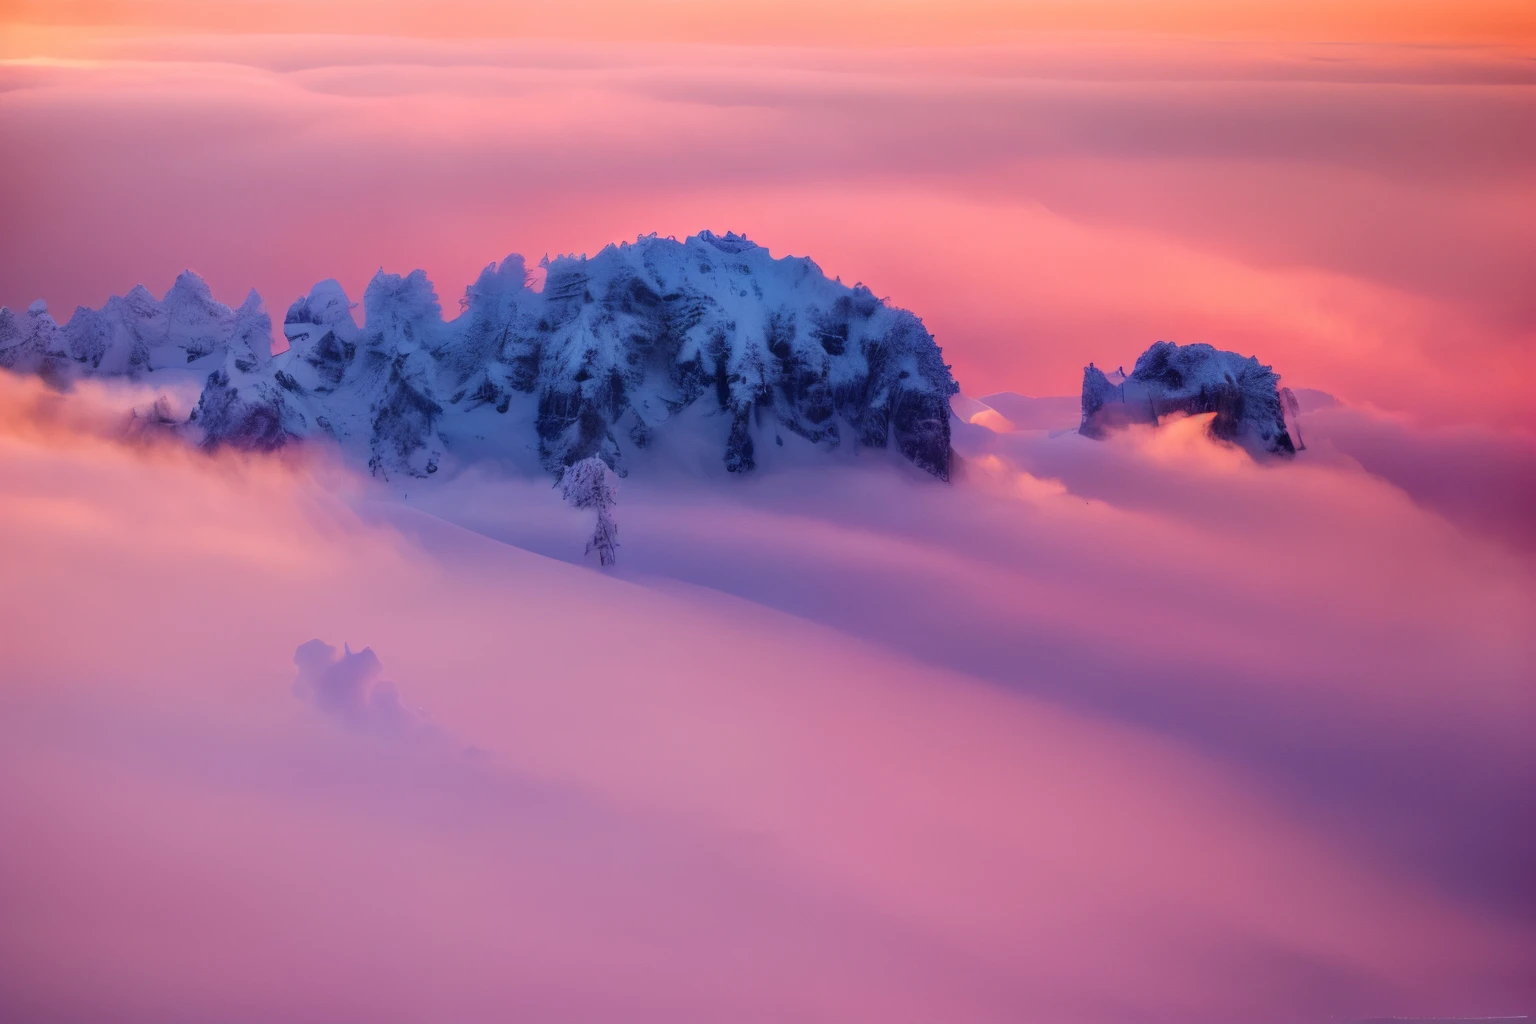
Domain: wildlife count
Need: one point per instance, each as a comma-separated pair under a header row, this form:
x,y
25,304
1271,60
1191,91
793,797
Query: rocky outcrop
x,y
606,356
1169,378
32,343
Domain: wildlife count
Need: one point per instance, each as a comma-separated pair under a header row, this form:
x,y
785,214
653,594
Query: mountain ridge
x,y
609,352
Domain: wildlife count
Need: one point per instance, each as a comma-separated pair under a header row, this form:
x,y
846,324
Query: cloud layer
x,y
1126,732
348,686
1132,731
1356,213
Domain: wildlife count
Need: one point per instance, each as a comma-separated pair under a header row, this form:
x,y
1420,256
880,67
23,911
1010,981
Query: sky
x,y
1345,190
1130,731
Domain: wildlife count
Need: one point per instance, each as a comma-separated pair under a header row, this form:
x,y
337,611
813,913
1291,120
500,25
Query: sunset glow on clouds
x,y
1354,205
1026,788
1139,730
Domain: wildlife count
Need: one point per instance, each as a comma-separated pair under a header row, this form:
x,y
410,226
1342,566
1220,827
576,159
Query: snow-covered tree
x,y
591,484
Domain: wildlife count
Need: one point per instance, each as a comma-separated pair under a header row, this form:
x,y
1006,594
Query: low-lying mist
x,y
1121,731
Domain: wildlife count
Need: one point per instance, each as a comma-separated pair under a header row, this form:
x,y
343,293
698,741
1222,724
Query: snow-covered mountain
x,y
1168,378
609,353
135,334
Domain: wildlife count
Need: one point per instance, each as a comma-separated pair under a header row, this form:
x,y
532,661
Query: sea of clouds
x,y
1135,730
1111,733
1358,213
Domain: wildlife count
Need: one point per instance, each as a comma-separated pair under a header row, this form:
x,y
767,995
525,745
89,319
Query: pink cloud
x,y
1138,730
1011,744
1359,222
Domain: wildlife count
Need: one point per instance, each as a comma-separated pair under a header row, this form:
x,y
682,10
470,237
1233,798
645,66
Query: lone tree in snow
x,y
590,484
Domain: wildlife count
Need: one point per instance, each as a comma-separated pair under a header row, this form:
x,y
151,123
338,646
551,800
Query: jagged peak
x,y
551,262
395,299
38,308
82,313
189,287
640,239
139,303
509,275
253,327
730,242
327,304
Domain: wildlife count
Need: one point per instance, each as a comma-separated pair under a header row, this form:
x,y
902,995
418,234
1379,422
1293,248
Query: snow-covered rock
x,y
33,343
598,362
136,334
1170,378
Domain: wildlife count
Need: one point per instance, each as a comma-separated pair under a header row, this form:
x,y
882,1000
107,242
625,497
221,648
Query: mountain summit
x,y
603,359
1169,378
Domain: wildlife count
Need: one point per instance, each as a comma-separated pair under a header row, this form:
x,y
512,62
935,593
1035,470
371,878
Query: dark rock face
x,y
1169,378
227,418
601,362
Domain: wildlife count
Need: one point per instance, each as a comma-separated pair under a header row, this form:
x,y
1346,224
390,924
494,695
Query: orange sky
x,y
813,22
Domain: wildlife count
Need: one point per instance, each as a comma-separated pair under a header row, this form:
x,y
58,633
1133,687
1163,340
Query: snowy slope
x,y
605,356
1027,412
